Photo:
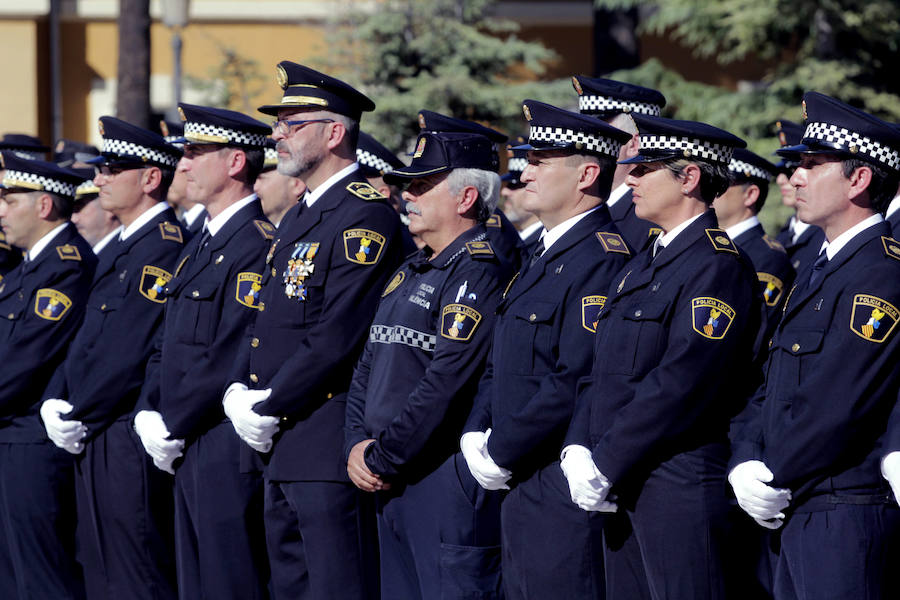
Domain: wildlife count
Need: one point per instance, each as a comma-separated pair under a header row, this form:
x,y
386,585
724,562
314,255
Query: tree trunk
x,y
133,92
616,44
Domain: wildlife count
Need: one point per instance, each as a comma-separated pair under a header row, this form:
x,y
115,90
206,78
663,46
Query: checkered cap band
x,y
560,135
124,149
204,132
714,152
605,104
85,188
171,139
38,183
847,140
271,157
398,334
739,166
517,164
368,159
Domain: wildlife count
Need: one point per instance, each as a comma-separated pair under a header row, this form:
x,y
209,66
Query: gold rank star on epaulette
x,y
773,244
720,241
265,228
68,252
891,247
364,191
612,242
171,232
479,248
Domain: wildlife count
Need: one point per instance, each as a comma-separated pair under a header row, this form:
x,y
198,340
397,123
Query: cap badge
x,y
577,85
420,148
421,121
181,114
100,127
526,112
281,77
803,110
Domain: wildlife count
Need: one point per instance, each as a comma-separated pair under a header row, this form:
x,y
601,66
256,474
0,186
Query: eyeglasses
x,y
108,171
284,127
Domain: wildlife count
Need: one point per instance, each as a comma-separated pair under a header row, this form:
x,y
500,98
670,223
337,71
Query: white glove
x,y
890,470
154,435
762,502
64,434
587,485
256,430
486,472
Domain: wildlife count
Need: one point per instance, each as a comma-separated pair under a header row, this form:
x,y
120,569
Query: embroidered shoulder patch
x,y
265,228
171,232
365,191
458,322
872,318
774,244
612,242
494,221
68,252
711,317
394,284
363,246
891,247
772,288
153,283
247,290
720,241
50,304
590,311
482,248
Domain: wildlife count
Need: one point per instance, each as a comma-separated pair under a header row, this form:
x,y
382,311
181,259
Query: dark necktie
x,y
816,272
538,252
204,240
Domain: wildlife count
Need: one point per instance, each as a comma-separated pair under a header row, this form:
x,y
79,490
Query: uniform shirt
x,y
211,300
104,243
192,220
324,274
802,243
892,214
773,267
41,305
413,387
635,230
673,357
831,376
542,344
104,371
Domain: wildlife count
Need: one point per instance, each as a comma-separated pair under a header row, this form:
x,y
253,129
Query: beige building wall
x,y
19,106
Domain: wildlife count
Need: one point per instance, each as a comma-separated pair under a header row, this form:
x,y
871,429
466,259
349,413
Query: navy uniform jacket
x,y
9,256
324,273
103,375
773,267
543,342
211,300
42,303
413,387
894,222
673,357
804,251
635,230
504,238
831,376
196,226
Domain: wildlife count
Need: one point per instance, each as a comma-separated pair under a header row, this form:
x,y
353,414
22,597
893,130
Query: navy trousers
x,y
220,543
37,523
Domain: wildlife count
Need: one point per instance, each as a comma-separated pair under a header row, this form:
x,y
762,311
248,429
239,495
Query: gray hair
x,y
486,182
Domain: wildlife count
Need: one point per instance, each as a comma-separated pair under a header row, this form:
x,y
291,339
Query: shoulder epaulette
x,y
653,231
494,221
4,245
68,252
480,249
265,228
365,191
891,247
612,242
774,244
720,241
171,232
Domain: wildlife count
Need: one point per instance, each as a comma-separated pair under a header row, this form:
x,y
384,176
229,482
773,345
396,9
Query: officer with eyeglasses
x,y
326,267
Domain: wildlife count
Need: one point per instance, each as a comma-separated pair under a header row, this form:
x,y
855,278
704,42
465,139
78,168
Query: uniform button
x,y
262,306
532,317
274,272
102,307
10,316
655,286
195,293
330,396
638,312
21,295
254,343
795,347
254,378
284,419
771,342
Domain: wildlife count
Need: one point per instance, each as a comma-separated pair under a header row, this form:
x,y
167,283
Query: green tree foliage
x,y
450,56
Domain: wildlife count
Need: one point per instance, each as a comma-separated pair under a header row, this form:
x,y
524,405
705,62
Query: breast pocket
x,y
197,313
634,337
529,340
797,351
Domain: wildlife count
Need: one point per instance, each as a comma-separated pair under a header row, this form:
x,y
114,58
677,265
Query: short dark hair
x,y
62,207
255,158
762,186
883,186
166,175
714,179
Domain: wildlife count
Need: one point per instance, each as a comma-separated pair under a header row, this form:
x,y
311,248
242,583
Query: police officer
x,y
501,233
802,241
192,215
277,192
514,198
736,210
672,362
219,537
24,146
542,345
330,259
807,461
615,102
41,303
124,503
413,387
